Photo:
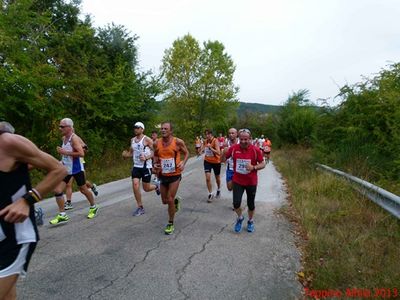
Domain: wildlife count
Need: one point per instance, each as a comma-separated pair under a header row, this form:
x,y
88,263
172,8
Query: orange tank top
x,y
169,158
210,156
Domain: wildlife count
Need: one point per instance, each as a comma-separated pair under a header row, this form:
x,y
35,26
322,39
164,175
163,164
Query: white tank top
x,y
74,165
139,148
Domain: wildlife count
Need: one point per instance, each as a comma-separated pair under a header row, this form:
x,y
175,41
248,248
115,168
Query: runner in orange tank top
x,y
169,165
212,161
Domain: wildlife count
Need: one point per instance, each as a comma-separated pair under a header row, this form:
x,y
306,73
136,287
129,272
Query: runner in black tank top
x,y
18,232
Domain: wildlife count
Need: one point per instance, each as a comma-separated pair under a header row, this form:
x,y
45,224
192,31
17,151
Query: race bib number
x,y
167,165
136,158
230,163
241,166
208,152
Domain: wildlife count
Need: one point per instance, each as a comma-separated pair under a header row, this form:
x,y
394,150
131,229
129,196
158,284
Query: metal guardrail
x,y
383,198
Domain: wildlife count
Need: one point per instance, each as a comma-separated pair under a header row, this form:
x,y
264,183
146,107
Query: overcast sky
x,y
278,47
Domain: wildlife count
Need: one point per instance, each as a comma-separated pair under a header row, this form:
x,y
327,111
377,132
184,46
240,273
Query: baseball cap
x,y
139,124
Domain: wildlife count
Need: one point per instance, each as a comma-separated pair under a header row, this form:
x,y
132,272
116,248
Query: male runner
x,y
167,156
141,151
247,160
72,151
18,231
212,161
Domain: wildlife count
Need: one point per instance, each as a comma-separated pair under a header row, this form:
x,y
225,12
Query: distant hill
x,y
257,107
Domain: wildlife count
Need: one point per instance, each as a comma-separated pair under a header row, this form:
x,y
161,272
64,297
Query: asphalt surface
x,y
118,256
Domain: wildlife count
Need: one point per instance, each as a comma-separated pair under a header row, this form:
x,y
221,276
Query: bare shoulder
x,y
180,142
148,140
17,147
12,142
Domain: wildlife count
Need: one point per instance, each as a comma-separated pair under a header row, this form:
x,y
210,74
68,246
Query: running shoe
x,y
218,195
68,205
238,225
59,219
157,183
250,226
210,198
39,216
138,212
169,229
177,202
94,189
93,212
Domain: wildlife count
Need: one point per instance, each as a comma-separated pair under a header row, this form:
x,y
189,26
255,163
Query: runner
x,y
154,137
212,161
232,140
267,149
197,145
167,155
141,151
71,151
68,189
18,231
221,141
260,143
247,160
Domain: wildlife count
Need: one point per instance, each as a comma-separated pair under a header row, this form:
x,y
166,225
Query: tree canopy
x,y
54,65
199,85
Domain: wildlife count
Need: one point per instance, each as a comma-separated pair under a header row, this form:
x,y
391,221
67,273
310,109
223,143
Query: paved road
x,y
117,256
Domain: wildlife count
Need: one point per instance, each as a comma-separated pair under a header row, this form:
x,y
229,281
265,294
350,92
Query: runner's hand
x,y
16,212
181,166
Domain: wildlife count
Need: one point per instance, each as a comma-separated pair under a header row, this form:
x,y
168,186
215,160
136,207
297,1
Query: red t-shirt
x,y
241,157
221,141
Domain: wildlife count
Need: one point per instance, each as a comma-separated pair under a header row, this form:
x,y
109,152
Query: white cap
x,y
139,124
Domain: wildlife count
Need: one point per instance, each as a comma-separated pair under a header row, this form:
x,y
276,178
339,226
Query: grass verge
x,y
348,241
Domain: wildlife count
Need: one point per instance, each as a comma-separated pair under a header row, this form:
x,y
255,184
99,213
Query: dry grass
x,y
348,241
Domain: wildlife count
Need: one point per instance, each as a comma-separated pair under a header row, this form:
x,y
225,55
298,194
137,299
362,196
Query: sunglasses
x,y
63,126
137,127
244,130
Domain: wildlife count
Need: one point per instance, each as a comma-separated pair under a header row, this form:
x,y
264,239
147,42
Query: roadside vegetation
x,y
347,240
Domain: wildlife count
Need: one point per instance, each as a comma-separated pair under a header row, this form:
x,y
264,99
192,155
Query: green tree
x,y
297,119
362,134
199,85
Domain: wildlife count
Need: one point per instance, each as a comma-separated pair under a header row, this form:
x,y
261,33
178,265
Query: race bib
x,y
208,152
167,165
230,163
136,158
241,166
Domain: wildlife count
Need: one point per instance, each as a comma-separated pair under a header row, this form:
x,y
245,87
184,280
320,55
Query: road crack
x,y
181,272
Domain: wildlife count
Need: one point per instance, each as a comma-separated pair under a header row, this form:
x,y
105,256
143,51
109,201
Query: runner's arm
x,y
127,153
184,150
23,150
260,161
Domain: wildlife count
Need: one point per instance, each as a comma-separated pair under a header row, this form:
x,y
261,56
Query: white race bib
x,y
208,151
167,165
241,165
229,162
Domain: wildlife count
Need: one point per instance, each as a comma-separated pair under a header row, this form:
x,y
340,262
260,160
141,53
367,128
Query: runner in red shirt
x,y
247,160
221,140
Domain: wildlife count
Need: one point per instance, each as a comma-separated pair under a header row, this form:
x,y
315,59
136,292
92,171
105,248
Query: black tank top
x,y
13,185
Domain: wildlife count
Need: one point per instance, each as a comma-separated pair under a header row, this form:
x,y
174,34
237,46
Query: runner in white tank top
x,y
141,151
71,151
